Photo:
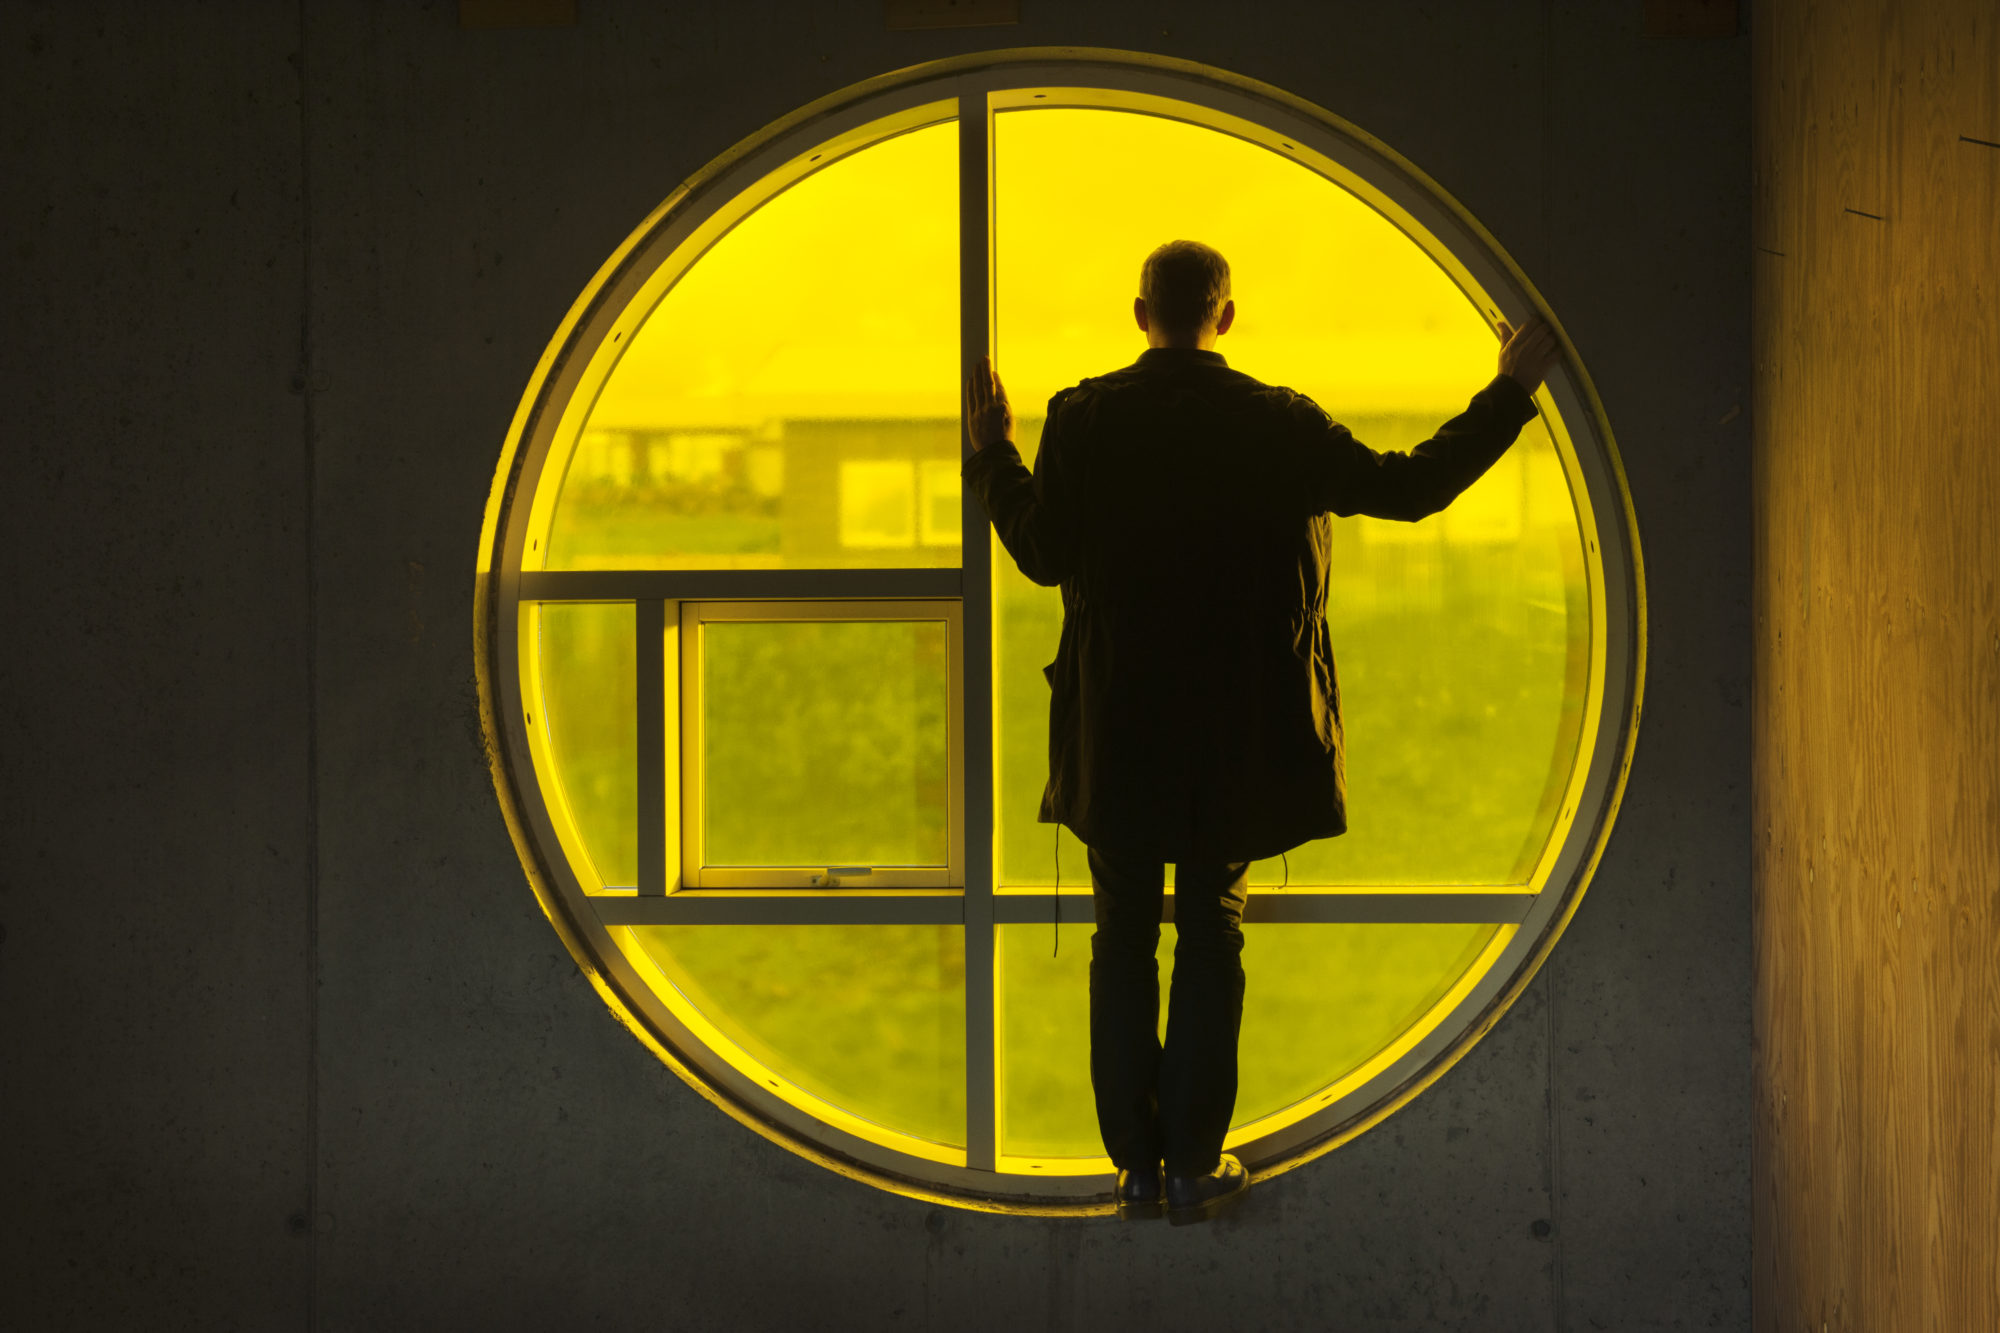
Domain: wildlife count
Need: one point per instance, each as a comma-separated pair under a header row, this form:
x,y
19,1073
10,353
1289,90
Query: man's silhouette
x,y
1194,718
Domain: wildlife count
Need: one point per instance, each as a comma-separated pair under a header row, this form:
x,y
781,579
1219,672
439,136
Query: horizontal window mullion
x,y
750,907
751,879
1359,907
779,906
612,585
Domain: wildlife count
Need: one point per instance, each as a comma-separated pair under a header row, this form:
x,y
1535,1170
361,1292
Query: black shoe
x,y
1139,1194
1192,1199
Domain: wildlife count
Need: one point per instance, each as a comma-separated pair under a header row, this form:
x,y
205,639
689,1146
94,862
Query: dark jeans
x,y
1166,1103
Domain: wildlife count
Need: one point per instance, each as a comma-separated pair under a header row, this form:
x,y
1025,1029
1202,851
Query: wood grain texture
x,y
1877,680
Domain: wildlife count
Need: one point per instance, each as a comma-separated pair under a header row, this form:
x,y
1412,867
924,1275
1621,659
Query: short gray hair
x,y
1184,284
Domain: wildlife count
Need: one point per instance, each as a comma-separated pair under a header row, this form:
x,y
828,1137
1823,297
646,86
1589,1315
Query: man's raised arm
x,y
1345,477
1026,509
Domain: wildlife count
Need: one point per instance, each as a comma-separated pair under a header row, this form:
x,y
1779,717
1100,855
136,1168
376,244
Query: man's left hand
x,y
989,419
1529,352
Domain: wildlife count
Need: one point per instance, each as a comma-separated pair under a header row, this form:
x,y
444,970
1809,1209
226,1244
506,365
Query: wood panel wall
x,y
1877,680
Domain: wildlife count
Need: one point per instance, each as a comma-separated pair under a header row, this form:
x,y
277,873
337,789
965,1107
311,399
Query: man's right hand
x,y
989,418
1528,353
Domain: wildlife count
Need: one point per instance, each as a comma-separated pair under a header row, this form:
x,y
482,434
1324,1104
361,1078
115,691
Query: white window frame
x,y
696,873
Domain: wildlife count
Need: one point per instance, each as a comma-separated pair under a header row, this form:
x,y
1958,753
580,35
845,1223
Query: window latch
x,y
834,874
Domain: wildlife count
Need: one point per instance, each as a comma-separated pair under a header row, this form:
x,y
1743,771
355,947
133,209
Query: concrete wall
x,y
286,1042
1877,751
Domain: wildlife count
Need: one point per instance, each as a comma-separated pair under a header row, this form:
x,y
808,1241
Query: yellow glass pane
x,y
1463,645
589,689
868,1018
826,742
777,406
1043,1041
1462,641
1319,1001
1027,626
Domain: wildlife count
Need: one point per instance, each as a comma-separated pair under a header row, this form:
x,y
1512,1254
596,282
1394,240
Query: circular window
x,y
765,699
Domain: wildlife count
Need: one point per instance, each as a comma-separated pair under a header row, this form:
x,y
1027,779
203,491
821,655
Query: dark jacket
x,y
1183,507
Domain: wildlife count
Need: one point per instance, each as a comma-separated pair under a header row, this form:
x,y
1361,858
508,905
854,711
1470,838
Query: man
x,y
1195,719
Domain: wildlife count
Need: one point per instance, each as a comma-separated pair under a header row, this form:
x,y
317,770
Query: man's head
x,y
1184,296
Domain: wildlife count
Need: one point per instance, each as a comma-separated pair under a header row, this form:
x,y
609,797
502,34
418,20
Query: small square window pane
x,y
826,742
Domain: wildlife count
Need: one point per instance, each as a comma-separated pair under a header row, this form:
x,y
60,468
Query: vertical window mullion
x,y
975,306
650,643
693,796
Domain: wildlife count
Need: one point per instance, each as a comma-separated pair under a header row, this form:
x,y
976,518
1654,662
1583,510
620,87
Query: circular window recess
x,y
764,699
